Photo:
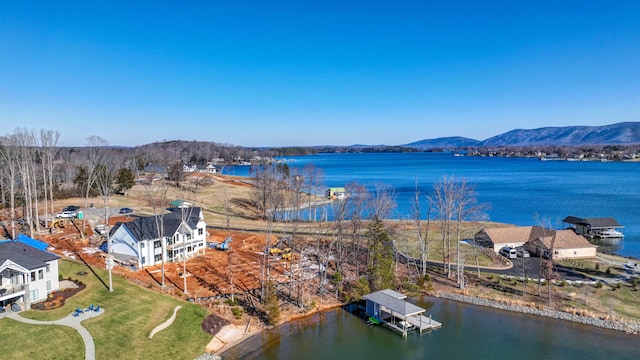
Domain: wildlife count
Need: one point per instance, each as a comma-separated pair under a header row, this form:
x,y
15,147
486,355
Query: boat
x,y
608,233
372,320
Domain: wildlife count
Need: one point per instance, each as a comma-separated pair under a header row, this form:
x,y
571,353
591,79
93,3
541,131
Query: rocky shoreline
x,y
630,327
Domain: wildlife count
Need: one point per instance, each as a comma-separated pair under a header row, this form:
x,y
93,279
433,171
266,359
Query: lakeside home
x,y
538,241
27,274
139,242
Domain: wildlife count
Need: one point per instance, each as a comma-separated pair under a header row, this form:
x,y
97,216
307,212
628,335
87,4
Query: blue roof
x,y
32,242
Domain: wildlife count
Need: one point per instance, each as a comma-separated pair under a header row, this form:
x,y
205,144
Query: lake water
x,y
518,189
468,332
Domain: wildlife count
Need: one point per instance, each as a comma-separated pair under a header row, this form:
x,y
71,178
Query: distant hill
x,y
444,142
620,133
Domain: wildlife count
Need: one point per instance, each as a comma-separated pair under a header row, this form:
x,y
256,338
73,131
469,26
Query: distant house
x,y
189,168
497,238
27,274
595,227
567,245
537,240
338,193
183,232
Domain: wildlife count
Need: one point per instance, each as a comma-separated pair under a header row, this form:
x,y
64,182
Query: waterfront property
x,y
391,309
336,193
567,244
140,242
595,227
27,274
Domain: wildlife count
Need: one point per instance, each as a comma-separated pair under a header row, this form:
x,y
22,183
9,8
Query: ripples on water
x,y
518,190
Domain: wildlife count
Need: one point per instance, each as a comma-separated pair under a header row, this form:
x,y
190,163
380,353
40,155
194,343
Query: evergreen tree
x,y
125,179
380,256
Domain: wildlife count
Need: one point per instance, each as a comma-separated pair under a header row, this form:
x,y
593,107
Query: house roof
x,y
146,228
24,255
594,223
389,299
567,239
32,242
515,234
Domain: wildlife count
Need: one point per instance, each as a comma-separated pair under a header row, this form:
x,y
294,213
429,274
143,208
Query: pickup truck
x,y
67,214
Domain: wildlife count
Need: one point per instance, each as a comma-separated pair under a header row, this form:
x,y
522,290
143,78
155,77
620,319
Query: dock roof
x,y
594,223
395,302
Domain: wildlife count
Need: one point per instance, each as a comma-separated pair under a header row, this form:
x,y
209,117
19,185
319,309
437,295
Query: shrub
x,y
237,312
599,285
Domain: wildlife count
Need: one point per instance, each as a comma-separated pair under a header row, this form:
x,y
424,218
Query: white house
x,y
27,274
183,232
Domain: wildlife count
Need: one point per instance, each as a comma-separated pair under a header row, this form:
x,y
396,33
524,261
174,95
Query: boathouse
x,y
595,227
392,310
336,193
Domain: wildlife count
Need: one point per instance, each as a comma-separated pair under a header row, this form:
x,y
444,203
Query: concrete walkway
x,y
70,321
165,324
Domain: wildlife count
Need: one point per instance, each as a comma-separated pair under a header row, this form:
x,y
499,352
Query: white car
x,y
509,252
66,214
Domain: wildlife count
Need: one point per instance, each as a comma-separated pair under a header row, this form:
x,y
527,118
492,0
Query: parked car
x,y
522,252
66,214
509,252
126,210
71,208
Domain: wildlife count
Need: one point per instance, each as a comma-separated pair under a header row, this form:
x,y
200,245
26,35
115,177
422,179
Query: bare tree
x,y
382,202
443,201
95,157
9,158
423,240
156,194
104,184
48,142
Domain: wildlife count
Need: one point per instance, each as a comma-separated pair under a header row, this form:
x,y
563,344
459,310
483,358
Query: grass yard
x,y
122,332
23,341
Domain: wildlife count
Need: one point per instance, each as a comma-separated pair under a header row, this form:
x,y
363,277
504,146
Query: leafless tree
x,y
423,240
382,201
466,206
48,142
104,184
443,200
9,158
156,194
95,157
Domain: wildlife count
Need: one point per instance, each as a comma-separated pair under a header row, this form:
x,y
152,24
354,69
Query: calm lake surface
x,y
468,332
517,189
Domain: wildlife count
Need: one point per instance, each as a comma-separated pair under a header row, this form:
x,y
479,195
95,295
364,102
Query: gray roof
x,y
24,255
390,300
594,223
146,228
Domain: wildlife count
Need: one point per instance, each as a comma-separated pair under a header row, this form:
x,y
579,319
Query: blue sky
x,y
279,73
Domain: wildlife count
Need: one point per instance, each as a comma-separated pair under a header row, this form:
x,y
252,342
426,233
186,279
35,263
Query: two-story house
x,y
181,233
27,274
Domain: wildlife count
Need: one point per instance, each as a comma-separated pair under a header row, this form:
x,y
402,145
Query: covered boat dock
x,y
392,310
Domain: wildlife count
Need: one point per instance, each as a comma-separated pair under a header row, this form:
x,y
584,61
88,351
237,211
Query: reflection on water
x,y
468,332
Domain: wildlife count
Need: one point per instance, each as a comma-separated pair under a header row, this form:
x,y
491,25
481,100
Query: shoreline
x,y
628,327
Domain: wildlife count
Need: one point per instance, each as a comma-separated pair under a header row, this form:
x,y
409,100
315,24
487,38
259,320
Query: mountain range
x,y
614,134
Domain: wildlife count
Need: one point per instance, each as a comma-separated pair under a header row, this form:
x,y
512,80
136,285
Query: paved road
x,y
70,321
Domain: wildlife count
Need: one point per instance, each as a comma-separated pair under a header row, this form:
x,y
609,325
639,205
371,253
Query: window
x,y
141,245
200,231
48,285
40,274
34,294
33,276
48,268
157,257
156,244
144,260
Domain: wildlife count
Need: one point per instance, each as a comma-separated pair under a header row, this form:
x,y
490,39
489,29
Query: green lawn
x,y
122,332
